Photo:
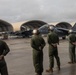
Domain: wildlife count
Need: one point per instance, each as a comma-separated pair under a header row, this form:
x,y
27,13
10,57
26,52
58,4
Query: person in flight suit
x,y
4,49
53,41
72,43
37,43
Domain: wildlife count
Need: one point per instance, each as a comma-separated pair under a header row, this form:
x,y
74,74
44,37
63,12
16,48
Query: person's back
x,y
4,49
72,38
53,38
38,40
37,43
72,43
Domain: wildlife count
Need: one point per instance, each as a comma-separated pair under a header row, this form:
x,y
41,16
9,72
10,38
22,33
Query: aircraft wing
x,y
61,32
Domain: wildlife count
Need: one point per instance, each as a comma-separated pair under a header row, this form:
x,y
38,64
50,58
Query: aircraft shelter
x,y
64,25
31,25
5,26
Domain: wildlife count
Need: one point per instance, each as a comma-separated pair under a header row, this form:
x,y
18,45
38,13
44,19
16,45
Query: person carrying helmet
x,y
37,43
53,41
72,43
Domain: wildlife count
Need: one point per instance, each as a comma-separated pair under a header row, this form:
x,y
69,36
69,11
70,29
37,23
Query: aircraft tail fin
x,y
74,27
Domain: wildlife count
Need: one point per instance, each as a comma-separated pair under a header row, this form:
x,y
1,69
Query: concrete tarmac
x,y
19,60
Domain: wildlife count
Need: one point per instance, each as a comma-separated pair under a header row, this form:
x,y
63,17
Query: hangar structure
x,y
64,25
26,25
31,25
5,26
24,29
36,24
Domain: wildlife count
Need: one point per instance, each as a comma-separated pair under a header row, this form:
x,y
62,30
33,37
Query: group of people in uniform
x,y
38,43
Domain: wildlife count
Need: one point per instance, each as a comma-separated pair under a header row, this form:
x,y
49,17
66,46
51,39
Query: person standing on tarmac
x,y
4,49
72,43
37,43
53,41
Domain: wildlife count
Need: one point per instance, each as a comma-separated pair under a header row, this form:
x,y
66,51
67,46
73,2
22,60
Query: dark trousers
x,y
72,53
54,53
3,68
38,61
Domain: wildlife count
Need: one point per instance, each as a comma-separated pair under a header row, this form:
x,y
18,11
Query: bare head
x,y
70,31
35,32
51,28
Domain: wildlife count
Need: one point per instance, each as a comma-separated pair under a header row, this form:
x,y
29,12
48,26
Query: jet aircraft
x,y
61,31
25,28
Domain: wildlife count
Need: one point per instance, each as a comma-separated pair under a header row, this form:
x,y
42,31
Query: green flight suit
x,y
38,43
53,38
4,50
72,39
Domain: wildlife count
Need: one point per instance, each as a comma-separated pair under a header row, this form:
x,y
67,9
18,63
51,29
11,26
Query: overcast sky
x,y
45,10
